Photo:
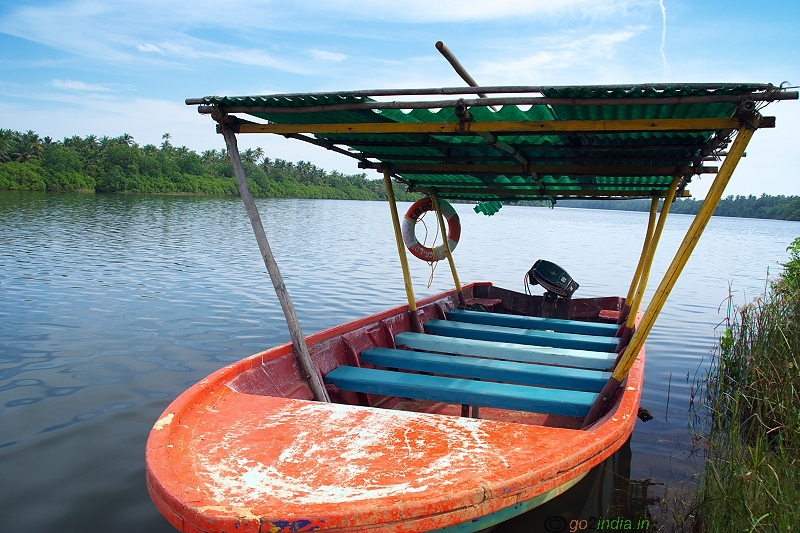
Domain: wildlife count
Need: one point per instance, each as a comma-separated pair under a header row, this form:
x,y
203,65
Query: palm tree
x,y
126,138
258,153
7,141
248,155
91,142
29,146
166,144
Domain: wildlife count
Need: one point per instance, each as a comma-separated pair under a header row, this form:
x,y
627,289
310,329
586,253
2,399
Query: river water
x,y
111,306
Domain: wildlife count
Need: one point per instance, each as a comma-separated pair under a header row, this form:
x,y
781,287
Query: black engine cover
x,y
553,278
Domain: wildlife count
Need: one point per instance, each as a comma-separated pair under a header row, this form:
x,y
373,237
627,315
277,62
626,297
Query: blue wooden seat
x,y
503,371
521,336
534,322
462,391
507,351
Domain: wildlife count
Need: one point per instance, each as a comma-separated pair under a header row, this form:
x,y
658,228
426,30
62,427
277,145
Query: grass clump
x,y
752,397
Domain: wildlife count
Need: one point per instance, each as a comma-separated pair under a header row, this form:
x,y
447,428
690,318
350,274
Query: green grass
x,y
752,397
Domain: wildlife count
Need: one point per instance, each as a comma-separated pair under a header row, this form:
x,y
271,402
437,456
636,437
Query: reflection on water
x,y
111,306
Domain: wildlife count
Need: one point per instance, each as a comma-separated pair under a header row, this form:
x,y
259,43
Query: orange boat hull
x,y
229,456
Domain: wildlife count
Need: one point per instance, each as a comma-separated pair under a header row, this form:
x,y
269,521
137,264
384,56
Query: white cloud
x,y
147,47
577,51
468,10
324,55
79,86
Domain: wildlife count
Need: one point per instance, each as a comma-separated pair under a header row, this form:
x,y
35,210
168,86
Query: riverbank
x,y
120,165
750,416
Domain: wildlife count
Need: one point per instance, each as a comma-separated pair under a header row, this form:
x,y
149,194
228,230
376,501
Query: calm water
x,y
110,306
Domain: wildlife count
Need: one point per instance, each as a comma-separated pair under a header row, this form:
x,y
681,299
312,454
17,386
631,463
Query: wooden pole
x,y
758,92
401,251
651,222
651,252
447,250
684,251
307,365
628,356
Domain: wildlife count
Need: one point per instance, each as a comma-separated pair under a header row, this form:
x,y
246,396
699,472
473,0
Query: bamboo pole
x,y
447,250
760,92
525,194
651,253
529,127
684,252
307,365
416,325
651,222
629,354
526,168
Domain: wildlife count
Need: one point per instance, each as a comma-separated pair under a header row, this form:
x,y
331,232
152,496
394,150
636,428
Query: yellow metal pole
x,y
447,250
682,255
650,227
401,250
651,252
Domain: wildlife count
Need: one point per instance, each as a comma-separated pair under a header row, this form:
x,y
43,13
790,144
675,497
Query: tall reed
x,y
752,397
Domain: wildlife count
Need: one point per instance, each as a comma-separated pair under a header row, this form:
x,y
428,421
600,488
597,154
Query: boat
x,y
463,409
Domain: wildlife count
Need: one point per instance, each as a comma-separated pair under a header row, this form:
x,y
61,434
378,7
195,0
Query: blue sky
x,y
107,68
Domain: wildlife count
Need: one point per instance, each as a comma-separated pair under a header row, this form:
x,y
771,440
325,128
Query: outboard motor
x,y
553,278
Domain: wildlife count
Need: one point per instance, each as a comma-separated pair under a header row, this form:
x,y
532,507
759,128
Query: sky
x,y
80,67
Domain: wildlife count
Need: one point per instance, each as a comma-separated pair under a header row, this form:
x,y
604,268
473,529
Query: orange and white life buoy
x,y
419,208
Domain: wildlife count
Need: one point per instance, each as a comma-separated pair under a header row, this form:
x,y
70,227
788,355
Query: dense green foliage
x,y
764,206
752,392
114,165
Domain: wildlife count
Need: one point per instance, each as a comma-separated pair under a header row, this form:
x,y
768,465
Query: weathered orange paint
x,y
224,460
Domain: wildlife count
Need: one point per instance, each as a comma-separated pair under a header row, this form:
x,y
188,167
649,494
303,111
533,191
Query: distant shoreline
x,y
120,165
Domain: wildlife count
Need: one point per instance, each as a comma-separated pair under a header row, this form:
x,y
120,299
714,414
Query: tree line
x,y
120,165
776,207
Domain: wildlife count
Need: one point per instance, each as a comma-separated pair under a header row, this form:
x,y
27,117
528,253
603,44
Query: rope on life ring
x,y
413,214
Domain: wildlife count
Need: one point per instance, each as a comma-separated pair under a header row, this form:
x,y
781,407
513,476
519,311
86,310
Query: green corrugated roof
x,y
639,161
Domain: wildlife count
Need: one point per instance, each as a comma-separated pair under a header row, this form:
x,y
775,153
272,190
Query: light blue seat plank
x,y
534,322
507,351
521,336
462,391
503,371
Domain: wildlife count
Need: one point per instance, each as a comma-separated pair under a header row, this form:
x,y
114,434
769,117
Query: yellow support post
x,y
651,252
629,354
401,250
684,251
651,222
447,250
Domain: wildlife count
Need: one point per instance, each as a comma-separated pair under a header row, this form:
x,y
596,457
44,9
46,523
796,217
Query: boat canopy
x,y
517,143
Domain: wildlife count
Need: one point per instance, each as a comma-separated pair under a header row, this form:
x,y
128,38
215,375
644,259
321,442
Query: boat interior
x,y
505,356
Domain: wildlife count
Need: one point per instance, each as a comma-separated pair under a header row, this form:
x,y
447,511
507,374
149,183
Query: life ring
x,y
413,214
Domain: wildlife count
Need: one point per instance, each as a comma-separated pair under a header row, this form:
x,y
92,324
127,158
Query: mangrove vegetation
x,y
765,206
120,165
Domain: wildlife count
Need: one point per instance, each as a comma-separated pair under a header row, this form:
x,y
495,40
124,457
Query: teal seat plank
x,y
522,353
462,391
503,371
534,322
521,336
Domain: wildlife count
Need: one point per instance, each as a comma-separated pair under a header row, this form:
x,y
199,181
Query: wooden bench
x,y
522,353
533,322
462,391
521,336
489,369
